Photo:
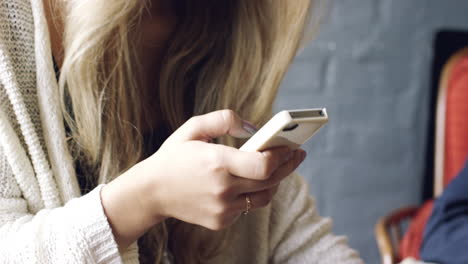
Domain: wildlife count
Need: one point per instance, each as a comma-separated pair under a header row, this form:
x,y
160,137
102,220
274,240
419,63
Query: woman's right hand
x,y
196,181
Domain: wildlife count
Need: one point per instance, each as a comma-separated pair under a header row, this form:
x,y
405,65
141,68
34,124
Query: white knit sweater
x,y
43,219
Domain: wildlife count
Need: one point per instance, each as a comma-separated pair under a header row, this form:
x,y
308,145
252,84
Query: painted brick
x,y
370,66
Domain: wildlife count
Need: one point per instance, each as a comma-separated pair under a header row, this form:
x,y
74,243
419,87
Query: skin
x,y
188,178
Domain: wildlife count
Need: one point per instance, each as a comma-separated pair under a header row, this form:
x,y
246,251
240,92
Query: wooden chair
x,y
389,229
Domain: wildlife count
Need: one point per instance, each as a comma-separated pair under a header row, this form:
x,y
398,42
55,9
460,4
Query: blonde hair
x,y
222,54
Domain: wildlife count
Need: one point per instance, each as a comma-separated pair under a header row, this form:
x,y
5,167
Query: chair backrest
x,y
451,147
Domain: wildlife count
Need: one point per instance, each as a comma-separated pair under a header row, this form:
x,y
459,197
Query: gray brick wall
x,y
370,66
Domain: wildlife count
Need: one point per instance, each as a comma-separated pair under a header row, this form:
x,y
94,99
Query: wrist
x,y
146,193
128,212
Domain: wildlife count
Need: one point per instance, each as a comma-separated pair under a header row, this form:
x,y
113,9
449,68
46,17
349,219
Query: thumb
x,y
216,124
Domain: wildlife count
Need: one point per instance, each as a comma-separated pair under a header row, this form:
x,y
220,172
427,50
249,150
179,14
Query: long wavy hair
x,y
221,54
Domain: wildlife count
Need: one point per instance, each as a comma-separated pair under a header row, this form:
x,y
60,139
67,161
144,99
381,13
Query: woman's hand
x,y
195,181
205,184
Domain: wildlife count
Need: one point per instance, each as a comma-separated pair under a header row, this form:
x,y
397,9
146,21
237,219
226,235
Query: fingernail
x,y
249,127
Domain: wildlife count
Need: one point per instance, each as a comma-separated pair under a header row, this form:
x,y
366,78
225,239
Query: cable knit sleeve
x,y
298,234
75,233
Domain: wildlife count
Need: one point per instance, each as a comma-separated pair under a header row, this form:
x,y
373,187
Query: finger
x,y
251,165
257,199
215,124
246,185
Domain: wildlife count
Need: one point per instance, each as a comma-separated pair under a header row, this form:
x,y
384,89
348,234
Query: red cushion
x,y
456,122
455,153
412,240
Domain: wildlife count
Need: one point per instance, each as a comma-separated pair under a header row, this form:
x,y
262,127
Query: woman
x,y
84,177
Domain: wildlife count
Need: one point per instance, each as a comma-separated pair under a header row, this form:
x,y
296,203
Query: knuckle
x,y
231,190
213,226
217,224
217,227
229,117
215,160
219,210
219,190
223,190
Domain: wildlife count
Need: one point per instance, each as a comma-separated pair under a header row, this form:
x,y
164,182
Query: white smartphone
x,y
290,128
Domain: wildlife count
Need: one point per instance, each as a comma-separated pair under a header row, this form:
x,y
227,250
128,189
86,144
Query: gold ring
x,y
248,204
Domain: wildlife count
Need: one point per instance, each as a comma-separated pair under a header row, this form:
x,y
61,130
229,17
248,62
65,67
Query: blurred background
x,y
371,66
